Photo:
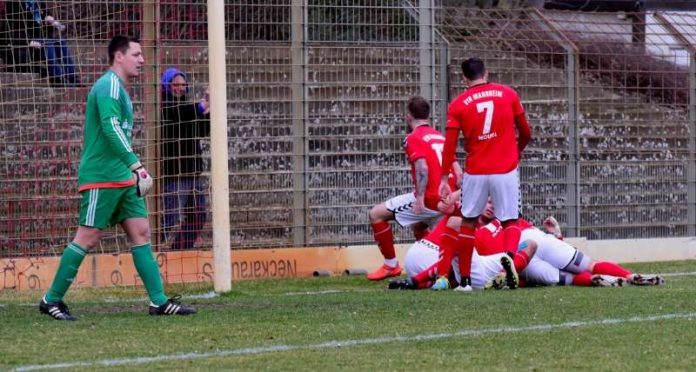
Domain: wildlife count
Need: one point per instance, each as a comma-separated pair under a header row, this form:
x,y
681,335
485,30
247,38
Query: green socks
x,y
149,272
67,270
143,260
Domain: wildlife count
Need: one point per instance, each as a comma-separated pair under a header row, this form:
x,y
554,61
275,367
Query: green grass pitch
x,y
348,323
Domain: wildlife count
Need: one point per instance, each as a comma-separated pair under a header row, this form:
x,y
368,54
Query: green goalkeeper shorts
x,y
101,208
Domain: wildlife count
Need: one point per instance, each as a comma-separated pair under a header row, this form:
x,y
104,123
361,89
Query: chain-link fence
x,y
316,94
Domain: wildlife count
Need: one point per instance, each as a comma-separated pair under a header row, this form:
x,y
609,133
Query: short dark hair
x,y
419,107
473,68
120,43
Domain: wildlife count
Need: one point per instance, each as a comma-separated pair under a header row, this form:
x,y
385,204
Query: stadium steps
x,y
15,79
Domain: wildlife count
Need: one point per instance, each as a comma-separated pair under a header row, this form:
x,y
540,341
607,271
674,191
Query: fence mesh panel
x,y
315,114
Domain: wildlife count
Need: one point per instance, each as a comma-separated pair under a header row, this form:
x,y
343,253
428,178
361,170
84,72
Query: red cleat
x,y
384,272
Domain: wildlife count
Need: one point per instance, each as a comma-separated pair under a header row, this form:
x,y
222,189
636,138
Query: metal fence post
x,y
573,79
425,47
299,210
573,172
691,174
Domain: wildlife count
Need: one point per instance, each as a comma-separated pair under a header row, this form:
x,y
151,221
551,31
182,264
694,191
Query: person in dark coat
x,y
31,41
184,123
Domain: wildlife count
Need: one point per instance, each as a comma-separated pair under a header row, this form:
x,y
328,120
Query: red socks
x,y
448,244
465,250
610,268
425,278
520,260
511,236
385,239
583,279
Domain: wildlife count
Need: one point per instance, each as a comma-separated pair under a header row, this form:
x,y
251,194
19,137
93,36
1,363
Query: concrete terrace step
x,y
12,79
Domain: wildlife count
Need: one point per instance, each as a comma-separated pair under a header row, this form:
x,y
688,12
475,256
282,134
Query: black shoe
x,y
402,284
172,307
57,310
512,279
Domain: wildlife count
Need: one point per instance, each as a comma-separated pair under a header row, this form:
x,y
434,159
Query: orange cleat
x,y
384,272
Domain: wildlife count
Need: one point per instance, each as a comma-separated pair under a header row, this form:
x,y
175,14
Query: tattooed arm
x,y
421,185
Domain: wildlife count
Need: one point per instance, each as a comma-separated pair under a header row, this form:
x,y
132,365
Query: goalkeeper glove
x,y
552,227
143,180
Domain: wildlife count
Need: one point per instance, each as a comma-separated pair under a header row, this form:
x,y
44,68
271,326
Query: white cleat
x,y
644,279
464,289
609,281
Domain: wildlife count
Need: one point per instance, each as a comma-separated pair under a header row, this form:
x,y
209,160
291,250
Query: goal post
x,y
219,178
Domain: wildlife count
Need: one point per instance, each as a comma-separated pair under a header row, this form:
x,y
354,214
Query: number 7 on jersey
x,y
487,107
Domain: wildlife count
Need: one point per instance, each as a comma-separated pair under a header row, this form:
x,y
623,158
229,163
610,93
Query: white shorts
x,y
420,256
401,207
504,190
482,268
540,272
550,249
424,254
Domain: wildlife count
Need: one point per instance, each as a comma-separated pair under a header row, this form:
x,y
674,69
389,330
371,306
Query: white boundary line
x,y
678,274
358,342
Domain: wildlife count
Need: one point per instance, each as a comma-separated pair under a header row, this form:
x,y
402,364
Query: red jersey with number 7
x,y
486,114
426,143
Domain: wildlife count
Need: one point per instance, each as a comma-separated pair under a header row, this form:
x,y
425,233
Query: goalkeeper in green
x,y
112,183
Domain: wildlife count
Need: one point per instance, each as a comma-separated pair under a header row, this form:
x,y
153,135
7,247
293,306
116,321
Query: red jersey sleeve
x,y
517,108
489,238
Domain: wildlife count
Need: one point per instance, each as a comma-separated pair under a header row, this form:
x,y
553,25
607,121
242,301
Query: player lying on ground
x,y
418,209
424,257
452,249
556,262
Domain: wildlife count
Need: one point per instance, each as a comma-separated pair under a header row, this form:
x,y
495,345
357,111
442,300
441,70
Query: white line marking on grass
x,y
328,291
678,274
359,342
313,292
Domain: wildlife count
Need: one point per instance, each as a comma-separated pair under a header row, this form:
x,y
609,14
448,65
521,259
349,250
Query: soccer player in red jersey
x,y
423,146
489,115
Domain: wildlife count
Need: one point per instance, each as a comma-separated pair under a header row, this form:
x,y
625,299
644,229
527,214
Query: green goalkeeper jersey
x,y
107,152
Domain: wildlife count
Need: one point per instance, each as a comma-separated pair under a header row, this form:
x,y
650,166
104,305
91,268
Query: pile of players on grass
x,y
478,238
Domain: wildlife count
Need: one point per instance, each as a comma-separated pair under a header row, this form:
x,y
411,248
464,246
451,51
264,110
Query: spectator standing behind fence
x,y
32,41
112,183
183,124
